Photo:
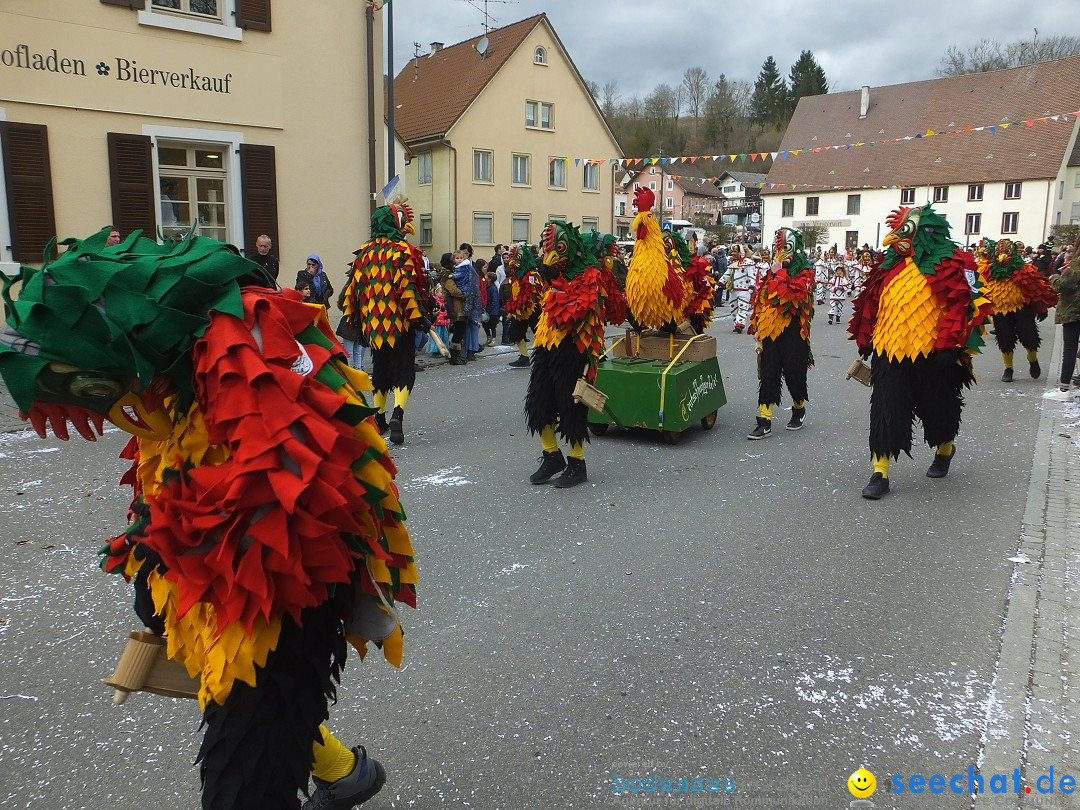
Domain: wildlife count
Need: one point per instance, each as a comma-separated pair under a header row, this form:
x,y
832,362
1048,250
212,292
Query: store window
x,y
192,186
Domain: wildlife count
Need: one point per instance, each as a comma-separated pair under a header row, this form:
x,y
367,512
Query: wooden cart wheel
x,y
598,428
708,421
672,436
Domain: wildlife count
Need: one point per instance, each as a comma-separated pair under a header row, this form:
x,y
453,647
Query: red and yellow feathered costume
x,y
782,307
523,306
920,317
1020,296
654,285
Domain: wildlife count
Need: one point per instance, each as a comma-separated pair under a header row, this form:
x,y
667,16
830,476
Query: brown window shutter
x,y
139,4
131,175
258,178
29,189
253,14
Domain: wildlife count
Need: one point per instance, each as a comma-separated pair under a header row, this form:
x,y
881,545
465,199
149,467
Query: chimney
x,y
864,101
436,47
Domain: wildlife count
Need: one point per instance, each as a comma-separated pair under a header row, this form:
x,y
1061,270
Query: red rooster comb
x,y
644,199
897,217
402,213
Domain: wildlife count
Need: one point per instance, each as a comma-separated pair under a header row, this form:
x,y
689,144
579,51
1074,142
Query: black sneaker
x,y
797,416
550,463
573,475
763,429
1007,376
470,356
397,435
380,422
521,362
1035,369
877,487
364,781
939,467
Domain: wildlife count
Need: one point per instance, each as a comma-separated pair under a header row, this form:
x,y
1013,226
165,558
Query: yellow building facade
x,y
230,117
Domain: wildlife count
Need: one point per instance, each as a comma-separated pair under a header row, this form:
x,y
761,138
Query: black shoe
x,y
455,358
830,320
397,435
364,781
480,348
797,416
380,422
521,362
470,356
1035,369
877,487
939,468
573,475
1007,376
763,429
550,463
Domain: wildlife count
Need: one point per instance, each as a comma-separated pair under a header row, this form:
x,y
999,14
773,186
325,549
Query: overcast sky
x,y
640,43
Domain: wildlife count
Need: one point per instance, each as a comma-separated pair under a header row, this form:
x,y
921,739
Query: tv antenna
x,y
488,19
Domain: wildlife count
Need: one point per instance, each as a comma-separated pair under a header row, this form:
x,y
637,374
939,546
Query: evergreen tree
x,y
807,78
769,104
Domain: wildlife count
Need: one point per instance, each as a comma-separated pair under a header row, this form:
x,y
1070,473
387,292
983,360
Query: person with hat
x,y
739,281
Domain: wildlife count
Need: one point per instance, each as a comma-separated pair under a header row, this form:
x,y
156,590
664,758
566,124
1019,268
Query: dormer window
x,y
540,56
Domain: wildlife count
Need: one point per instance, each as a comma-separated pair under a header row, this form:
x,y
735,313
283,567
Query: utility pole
x,y
661,154
391,168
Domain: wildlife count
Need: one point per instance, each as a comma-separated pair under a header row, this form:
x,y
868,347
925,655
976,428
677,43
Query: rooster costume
x,y
920,316
385,297
698,287
654,284
1020,295
523,305
265,530
782,310
568,344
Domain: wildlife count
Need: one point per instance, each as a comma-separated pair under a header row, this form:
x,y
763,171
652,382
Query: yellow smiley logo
x,y
861,783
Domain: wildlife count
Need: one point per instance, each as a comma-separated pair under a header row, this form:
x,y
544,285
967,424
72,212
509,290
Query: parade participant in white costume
x,y
739,281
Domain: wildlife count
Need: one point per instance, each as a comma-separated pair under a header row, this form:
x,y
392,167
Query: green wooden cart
x,y
658,395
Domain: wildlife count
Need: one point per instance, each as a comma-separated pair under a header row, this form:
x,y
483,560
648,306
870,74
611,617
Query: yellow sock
x,y
522,348
1006,358
946,449
800,405
379,399
1032,355
577,450
333,760
764,411
881,465
401,397
548,440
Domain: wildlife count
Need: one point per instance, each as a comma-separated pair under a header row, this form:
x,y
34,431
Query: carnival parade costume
x,y
654,283
266,530
1020,295
523,305
698,287
740,279
386,299
569,341
920,318
780,321
839,286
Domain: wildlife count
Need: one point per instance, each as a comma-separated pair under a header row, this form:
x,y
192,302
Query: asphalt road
x,y
720,609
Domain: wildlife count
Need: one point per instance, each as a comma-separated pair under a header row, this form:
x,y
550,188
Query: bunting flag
x,y
753,157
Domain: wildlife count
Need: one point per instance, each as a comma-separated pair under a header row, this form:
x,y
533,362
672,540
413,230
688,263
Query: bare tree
x,y
991,54
695,84
594,89
610,99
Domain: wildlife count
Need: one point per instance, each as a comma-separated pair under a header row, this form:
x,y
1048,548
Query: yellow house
x,y
232,117
504,136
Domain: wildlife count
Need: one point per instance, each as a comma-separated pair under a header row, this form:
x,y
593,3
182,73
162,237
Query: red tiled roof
x,y
941,105
432,91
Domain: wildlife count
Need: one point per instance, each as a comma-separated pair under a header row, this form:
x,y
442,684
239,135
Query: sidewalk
x,y
1036,683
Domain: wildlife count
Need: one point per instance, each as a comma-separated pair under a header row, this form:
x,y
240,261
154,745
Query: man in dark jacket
x,y
262,256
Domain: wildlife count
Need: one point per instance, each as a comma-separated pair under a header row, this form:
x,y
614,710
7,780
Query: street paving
x,y
718,610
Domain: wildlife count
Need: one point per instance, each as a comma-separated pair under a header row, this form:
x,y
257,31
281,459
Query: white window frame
x,y
537,110
227,28
517,219
1076,179
907,196
551,173
941,194
652,185
234,213
479,153
975,192
973,224
8,265
1015,215
540,56
557,217
527,159
587,221
423,158
591,171
1018,185
422,220
670,203
479,216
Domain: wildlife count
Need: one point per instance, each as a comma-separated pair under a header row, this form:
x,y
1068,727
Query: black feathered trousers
x,y
549,399
784,359
1017,326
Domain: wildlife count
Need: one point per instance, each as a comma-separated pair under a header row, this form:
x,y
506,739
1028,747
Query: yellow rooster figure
x,y
654,287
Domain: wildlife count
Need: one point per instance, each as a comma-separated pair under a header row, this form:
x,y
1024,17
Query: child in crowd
x,y
493,309
439,318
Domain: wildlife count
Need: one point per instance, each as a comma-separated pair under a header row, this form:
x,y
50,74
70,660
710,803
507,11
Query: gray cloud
x,y
641,43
